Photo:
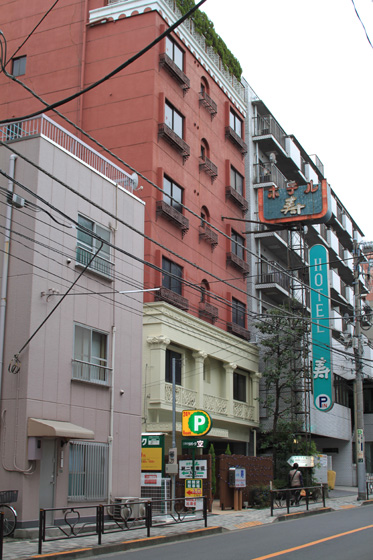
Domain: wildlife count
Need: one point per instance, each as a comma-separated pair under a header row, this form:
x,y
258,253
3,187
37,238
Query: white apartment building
x,y
71,402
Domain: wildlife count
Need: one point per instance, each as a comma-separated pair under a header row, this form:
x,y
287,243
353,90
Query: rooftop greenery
x,y
205,27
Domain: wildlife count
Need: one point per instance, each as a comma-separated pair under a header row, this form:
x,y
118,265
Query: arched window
x,y
205,150
205,216
205,291
204,86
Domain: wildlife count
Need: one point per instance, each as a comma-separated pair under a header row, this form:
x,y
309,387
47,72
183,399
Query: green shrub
x,y
260,497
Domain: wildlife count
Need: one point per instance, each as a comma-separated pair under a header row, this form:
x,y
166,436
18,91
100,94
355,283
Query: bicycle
x,y
10,515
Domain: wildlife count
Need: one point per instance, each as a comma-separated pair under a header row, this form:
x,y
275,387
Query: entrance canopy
x,y
56,428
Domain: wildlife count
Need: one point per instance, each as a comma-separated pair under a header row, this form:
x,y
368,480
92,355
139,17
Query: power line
x,y
361,21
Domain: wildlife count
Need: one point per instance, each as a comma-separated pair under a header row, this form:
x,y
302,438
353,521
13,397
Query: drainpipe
x,y
111,427
4,280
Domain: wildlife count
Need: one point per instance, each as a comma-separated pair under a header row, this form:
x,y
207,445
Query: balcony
x,y
183,397
172,215
175,72
269,133
208,103
268,174
236,140
237,262
236,198
208,311
174,140
276,285
168,296
208,235
100,266
91,373
237,330
206,165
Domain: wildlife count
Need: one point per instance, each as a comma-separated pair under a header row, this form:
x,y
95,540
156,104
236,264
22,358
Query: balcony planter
x,y
237,330
174,140
236,198
164,294
236,140
177,74
238,263
208,311
208,235
172,215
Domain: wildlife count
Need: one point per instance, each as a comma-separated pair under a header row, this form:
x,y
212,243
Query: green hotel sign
x,y
320,328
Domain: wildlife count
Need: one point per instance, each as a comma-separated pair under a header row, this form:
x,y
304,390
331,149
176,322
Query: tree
x,y
284,354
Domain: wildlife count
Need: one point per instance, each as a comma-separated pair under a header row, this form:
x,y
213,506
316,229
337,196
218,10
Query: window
x,y
238,244
172,275
172,194
239,387
236,181
88,245
205,291
235,123
88,471
175,53
171,357
174,119
90,355
19,66
238,313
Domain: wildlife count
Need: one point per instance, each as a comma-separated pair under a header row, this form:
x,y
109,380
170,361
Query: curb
x,y
299,514
124,546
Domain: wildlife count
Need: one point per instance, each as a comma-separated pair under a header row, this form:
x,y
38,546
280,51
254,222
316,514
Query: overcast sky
x,y
312,65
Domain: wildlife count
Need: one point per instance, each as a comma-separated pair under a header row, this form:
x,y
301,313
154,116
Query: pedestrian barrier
x,y
287,498
84,521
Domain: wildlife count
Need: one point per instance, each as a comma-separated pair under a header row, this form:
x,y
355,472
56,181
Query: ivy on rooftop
x,y
205,27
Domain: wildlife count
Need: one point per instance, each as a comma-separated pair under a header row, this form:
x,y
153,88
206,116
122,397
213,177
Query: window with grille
x,y
237,181
89,239
172,194
238,244
238,313
172,276
174,120
175,53
90,356
173,359
88,471
235,123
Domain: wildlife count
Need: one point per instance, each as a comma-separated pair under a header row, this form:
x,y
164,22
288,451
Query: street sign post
x,y
193,488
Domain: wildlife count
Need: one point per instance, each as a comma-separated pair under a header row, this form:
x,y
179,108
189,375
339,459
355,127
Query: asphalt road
x,y
340,535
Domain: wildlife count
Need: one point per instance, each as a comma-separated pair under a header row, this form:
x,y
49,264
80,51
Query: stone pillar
x,y
255,381
229,369
157,364
198,384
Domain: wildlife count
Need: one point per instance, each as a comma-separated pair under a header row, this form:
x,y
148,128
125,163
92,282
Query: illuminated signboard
x,y
294,203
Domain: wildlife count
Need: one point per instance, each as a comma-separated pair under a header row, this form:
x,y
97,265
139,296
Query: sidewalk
x,y
218,521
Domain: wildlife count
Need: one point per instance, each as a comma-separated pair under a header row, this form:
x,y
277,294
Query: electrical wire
x,y
361,21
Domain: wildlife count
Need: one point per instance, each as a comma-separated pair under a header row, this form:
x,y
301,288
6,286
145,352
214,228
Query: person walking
x,y
296,482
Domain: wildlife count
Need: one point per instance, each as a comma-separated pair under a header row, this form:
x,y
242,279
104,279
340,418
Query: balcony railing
x,y
236,140
237,330
237,198
91,373
169,65
172,215
45,127
244,411
183,396
208,311
215,404
269,173
206,165
208,103
167,295
276,277
174,140
99,265
268,126
209,235
237,262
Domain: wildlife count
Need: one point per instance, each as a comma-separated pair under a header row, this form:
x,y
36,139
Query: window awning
x,y
55,428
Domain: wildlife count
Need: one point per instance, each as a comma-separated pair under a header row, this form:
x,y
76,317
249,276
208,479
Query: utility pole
x,y
358,386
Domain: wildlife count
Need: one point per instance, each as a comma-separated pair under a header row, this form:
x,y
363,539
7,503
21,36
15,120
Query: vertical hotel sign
x,y
321,338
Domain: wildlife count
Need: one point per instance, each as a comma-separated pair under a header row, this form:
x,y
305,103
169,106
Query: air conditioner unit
x,y
126,508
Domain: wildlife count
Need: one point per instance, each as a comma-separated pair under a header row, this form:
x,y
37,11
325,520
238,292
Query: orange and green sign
x,y
195,423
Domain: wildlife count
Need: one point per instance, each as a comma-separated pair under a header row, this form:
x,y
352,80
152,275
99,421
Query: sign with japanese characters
x,y
193,488
152,452
320,328
294,203
186,468
195,423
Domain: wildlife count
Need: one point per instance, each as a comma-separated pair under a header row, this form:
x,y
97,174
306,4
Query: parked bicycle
x,y
10,515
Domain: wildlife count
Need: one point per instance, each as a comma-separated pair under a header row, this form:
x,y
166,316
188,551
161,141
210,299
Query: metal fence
x,y
296,497
99,520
